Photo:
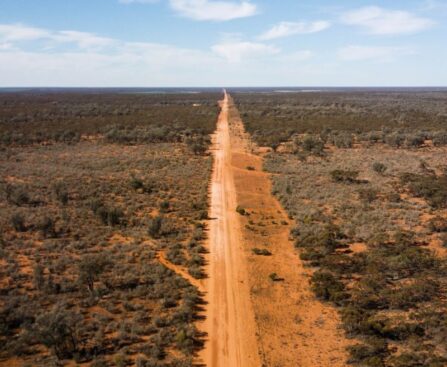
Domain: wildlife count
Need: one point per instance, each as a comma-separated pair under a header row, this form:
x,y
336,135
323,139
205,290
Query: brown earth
x,y
251,319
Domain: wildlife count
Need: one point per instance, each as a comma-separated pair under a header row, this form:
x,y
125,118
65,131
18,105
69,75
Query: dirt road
x,y
252,321
229,322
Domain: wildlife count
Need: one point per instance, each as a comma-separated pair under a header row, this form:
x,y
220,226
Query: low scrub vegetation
x,y
83,218
363,219
403,119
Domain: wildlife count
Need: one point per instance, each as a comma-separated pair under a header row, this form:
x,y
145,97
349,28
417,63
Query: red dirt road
x,y
250,320
229,321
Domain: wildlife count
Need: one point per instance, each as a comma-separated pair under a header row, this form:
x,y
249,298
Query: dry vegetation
x,y
370,213
398,119
94,188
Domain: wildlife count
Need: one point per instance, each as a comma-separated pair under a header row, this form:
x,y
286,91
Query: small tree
x,y
379,168
198,145
136,183
61,192
16,195
18,222
38,276
47,226
90,268
58,330
155,226
344,176
312,144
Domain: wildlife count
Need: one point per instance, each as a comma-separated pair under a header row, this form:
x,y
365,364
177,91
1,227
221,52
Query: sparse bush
x,y
61,192
18,222
429,187
414,140
136,183
342,140
38,276
198,144
155,225
241,210
443,238
379,168
367,195
109,216
90,268
327,287
275,277
438,224
370,354
196,272
47,226
58,330
440,138
395,139
344,176
261,252
311,144
17,195
164,206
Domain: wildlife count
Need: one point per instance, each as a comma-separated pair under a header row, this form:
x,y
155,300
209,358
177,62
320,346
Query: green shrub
x,y
326,287
47,226
109,216
367,195
429,187
379,168
57,330
261,252
344,176
275,277
136,183
196,272
90,267
443,238
438,224
17,195
61,192
440,138
370,354
38,276
198,144
312,145
164,206
18,222
241,210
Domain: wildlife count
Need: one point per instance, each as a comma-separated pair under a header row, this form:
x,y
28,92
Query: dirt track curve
x,y
252,321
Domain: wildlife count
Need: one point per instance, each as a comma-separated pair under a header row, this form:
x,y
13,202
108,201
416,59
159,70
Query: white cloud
x,y
376,53
213,10
285,29
386,22
210,10
20,32
297,56
82,39
237,51
13,33
6,46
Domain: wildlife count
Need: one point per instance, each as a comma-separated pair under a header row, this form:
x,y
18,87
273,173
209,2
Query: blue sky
x,y
156,43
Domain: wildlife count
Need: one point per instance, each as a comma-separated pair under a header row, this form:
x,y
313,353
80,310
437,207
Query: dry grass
x,y
81,280
371,234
